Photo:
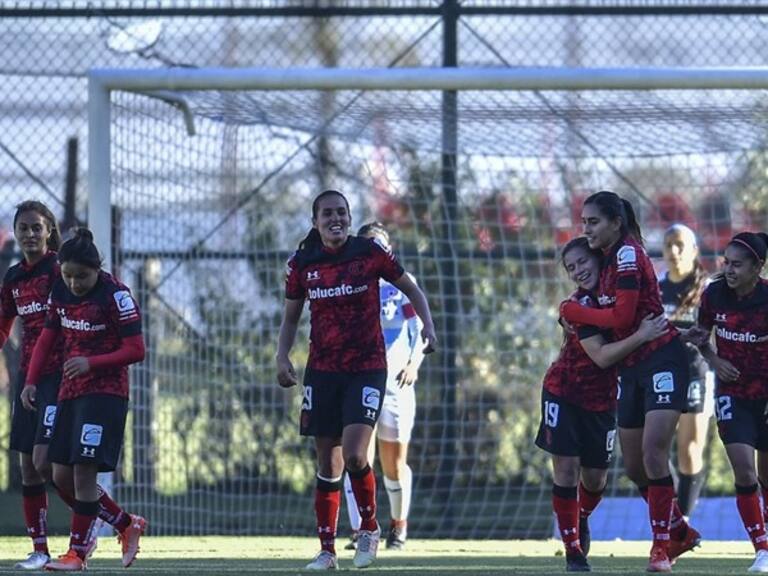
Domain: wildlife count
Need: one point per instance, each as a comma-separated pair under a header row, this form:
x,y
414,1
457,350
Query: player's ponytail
x,y
54,240
80,249
630,221
313,237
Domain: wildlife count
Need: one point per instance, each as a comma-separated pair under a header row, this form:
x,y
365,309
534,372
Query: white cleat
x,y
35,561
323,561
367,545
761,562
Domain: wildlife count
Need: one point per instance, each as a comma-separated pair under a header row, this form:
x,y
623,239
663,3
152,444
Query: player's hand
x,y
286,374
28,394
569,329
430,339
725,370
76,366
696,335
652,327
407,375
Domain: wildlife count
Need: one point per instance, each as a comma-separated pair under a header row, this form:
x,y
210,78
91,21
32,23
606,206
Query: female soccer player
x,y
578,407
100,328
735,305
654,378
345,378
681,288
402,330
24,294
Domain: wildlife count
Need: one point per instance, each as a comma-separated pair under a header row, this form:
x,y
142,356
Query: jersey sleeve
x,y
125,313
387,265
294,290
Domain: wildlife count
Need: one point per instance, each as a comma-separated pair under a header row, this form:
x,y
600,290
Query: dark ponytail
x,y
81,249
613,206
313,239
54,240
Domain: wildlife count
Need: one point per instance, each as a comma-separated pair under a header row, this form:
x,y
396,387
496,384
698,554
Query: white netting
x,y
206,222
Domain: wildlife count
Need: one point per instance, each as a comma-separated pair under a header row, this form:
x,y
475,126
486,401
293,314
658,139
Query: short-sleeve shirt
x,y
672,294
397,324
24,294
92,325
343,291
739,323
575,377
628,267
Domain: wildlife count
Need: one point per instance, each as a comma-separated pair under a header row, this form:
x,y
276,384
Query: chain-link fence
x,y
48,51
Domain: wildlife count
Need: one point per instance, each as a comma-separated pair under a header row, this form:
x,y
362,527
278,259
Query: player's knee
x,y
355,462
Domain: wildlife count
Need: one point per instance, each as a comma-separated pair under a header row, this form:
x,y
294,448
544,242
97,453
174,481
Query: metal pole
x,y
448,263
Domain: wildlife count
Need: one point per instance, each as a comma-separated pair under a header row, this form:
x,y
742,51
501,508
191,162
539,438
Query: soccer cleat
x,y
577,563
761,562
69,562
35,561
397,536
93,541
659,560
323,561
352,544
585,539
129,538
691,540
367,546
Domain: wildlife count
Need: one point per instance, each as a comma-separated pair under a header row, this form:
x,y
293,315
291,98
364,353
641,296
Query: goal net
x,y
211,192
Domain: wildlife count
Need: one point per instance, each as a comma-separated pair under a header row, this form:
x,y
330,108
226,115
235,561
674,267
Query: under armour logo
x,y
313,275
720,317
89,452
664,399
370,414
15,292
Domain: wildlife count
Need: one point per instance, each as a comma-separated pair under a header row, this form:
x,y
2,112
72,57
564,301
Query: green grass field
x,y
204,556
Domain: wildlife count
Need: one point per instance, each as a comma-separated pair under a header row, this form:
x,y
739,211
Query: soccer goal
x,y
200,184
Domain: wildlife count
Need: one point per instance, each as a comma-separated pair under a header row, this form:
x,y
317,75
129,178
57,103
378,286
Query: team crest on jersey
x,y
125,304
626,258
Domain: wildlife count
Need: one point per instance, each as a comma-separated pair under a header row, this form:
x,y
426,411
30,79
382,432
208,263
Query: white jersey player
x,y
401,328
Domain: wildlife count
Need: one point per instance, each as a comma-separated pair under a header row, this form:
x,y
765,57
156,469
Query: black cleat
x,y
585,539
577,563
352,544
396,538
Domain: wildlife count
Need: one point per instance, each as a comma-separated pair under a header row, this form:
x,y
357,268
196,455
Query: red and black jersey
x,y
24,294
92,325
739,325
628,292
343,291
574,377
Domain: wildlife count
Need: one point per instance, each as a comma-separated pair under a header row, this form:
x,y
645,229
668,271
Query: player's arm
x,y
606,354
409,374
6,324
286,374
43,346
620,316
419,301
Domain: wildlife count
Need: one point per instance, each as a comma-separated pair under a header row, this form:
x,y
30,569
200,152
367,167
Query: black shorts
x,y
569,430
333,400
30,428
659,382
742,421
89,430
